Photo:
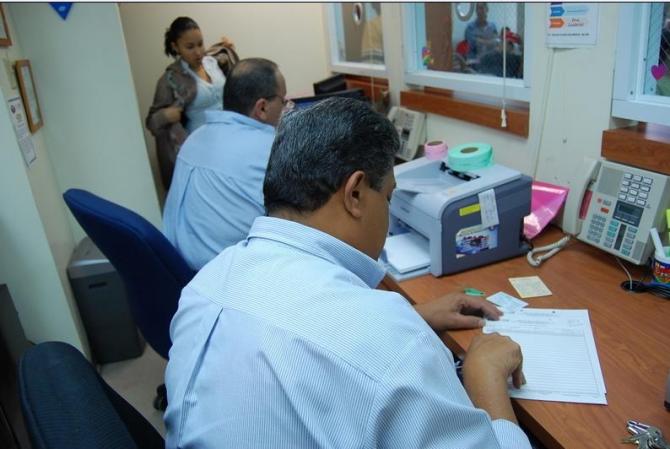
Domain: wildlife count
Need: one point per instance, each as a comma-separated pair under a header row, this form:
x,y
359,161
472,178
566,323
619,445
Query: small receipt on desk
x,y
507,303
530,286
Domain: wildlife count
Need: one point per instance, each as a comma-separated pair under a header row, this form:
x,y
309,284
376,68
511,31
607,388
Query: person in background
x,y
217,190
492,62
481,35
189,86
283,341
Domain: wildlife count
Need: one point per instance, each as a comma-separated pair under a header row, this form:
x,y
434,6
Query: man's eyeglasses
x,y
287,104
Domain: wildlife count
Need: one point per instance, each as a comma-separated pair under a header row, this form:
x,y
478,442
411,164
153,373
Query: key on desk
x,y
645,436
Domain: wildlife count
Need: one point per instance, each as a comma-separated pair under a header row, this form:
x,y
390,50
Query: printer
x,y
447,221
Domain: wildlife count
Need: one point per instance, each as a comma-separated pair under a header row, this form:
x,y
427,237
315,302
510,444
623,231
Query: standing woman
x,y
190,86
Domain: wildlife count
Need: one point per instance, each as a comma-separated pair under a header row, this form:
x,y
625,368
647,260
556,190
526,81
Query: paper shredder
x,y
103,305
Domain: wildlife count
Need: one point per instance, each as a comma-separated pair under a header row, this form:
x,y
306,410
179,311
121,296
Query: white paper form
x,y
407,252
489,208
560,360
507,303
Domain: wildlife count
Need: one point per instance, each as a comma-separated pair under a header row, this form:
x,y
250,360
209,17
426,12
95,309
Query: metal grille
x,y
456,39
657,60
359,33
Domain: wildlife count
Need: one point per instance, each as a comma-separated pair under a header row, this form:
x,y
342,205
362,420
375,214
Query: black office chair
x,y
66,404
153,272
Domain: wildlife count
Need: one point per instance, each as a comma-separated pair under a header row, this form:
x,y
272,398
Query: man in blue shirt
x,y
482,35
282,340
216,191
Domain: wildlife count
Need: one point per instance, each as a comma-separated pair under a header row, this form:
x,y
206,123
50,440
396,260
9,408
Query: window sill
x,y
645,145
442,102
373,88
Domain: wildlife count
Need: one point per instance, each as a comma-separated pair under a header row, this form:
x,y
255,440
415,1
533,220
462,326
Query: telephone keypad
x,y
599,226
596,228
635,189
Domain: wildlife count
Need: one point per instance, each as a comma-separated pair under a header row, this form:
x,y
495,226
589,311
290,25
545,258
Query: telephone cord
x,y
550,251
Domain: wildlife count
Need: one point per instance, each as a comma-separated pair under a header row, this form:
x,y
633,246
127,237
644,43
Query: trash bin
x,y
103,305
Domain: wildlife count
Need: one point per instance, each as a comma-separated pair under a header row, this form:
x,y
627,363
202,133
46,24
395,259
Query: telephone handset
x,y
411,127
576,206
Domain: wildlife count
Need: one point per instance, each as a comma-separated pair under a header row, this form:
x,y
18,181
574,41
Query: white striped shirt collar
x,y
319,244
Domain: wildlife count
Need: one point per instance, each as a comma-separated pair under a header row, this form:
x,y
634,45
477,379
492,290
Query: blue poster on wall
x,y
62,8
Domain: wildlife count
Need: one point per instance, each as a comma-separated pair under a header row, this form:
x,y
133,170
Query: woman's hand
x,y
227,43
173,114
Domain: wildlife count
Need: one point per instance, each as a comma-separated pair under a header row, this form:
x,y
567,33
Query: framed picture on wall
x,y
5,40
27,87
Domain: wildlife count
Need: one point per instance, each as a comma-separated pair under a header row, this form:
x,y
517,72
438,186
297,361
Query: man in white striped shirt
x,y
282,340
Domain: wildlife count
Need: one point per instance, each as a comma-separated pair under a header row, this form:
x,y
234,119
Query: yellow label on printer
x,y
471,209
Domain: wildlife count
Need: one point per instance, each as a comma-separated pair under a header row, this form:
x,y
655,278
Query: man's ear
x,y
353,192
259,111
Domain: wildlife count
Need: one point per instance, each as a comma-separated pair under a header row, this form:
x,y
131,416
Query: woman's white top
x,y
209,95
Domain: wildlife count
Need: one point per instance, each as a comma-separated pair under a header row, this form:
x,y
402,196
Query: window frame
x,y
628,99
353,68
415,74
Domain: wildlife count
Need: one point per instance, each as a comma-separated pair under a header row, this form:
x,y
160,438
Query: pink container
x,y
435,150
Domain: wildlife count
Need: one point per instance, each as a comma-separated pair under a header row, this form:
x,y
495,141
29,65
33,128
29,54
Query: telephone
x,y
411,127
619,208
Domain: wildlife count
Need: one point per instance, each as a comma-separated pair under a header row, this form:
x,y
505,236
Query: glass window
x,y
468,37
657,70
642,70
459,45
356,35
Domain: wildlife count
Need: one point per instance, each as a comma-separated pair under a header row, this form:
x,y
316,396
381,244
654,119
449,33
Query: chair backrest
x,y
152,270
66,404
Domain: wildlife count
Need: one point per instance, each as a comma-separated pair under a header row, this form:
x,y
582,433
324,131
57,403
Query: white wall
x,y
27,263
35,234
92,138
92,122
289,34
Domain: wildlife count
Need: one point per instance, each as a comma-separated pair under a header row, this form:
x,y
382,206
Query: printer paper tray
x,y
407,252
399,277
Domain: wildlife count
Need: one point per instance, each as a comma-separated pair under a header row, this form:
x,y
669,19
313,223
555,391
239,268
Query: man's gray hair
x,y
317,149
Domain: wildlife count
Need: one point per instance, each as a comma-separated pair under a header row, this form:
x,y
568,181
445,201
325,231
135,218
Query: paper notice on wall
x,y
571,25
22,131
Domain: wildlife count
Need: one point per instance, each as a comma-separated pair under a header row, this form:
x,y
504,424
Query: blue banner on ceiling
x,y
62,8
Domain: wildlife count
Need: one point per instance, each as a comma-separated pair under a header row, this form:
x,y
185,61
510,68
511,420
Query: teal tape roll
x,y
470,156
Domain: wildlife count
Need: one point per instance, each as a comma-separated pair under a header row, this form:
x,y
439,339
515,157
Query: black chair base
x,y
160,401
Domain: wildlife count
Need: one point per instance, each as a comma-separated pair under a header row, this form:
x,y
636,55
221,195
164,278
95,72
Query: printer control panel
x,y
625,205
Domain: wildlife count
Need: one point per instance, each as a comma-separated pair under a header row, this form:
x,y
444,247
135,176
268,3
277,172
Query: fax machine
x,y
453,216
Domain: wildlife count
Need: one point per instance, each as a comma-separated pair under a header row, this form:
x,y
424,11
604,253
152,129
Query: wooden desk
x,y
631,331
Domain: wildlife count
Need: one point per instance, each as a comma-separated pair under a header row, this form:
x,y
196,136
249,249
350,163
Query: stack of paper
x,y
560,361
407,252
